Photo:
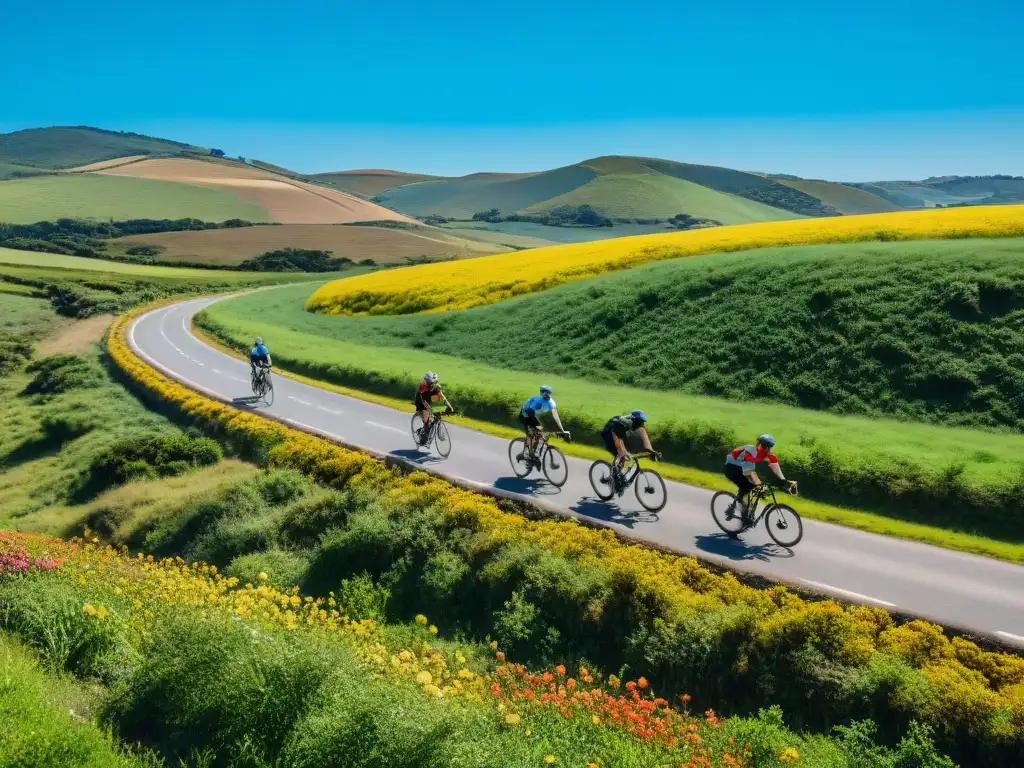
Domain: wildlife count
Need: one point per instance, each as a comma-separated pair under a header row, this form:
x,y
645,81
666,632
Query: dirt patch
x,y
231,246
103,165
75,336
287,200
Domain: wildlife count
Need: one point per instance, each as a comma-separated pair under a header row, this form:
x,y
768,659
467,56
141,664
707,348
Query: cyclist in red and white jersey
x,y
741,465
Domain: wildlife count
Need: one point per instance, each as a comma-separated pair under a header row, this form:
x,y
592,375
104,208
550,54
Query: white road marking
x,y
168,340
331,410
297,400
1011,636
847,593
385,426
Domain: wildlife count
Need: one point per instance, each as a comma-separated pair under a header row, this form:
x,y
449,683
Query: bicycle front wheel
x,y
442,440
556,469
601,480
268,390
784,525
650,490
727,512
415,427
519,457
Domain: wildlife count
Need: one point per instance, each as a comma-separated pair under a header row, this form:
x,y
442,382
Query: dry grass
x,y
287,200
385,246
75,336
104,165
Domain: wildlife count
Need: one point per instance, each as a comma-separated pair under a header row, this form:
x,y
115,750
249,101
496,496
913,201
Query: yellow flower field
x,y
474,282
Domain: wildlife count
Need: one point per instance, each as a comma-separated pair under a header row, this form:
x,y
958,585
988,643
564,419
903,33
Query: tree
x,y
217,152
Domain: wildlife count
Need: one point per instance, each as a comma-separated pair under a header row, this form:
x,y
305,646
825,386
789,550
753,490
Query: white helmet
x,y
430,378
259,341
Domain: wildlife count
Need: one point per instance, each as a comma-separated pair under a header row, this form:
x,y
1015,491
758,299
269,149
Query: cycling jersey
x,y
260,354
425,394
537,404
747,457
620,426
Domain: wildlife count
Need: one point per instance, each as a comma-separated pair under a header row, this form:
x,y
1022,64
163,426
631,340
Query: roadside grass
x,y
377,382
102,196
48,718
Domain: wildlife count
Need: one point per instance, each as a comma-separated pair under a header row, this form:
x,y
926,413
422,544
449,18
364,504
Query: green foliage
x,y
560,216
294,260
282,568
39,729
15,350
62,373
149,456
360,598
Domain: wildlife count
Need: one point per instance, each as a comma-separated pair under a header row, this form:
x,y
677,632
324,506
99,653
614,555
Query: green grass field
x,y
97,196
369,184
844,198
461,198
650,195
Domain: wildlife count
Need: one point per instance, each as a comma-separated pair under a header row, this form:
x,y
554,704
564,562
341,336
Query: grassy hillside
x,y
844,198
956,190
651,195
370,183
385,245
461,198
927,330
68,147
102,196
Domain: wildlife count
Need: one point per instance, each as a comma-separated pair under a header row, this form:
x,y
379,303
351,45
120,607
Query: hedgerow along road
x,y
963,591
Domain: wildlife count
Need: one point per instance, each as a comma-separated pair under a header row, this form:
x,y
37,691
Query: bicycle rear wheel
x,y
519,457
442,440
784,525
414,427
727,512
601,480
555,467
650,490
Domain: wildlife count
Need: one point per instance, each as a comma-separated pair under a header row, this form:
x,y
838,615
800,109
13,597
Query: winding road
x,y
975,594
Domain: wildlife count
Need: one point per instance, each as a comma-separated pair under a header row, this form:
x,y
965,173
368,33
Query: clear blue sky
x,y
871,89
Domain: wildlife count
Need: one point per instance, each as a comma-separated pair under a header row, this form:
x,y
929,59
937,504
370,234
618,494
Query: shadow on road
x,y
249,402
417,456
737,549
610,512
528,486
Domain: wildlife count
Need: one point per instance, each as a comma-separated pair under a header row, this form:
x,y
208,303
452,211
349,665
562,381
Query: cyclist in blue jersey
x,y
532,408
260,355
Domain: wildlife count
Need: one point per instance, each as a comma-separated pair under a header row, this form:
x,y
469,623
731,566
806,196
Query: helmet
x,y
766,440
430,378
259,340
639,416
545,389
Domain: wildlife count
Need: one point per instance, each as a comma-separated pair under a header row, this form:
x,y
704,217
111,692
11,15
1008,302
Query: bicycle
x,y
733,518
436,431
262,384
542,456
648,485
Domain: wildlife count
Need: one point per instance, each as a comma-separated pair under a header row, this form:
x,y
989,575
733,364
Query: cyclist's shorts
x,y
609,443
735,473
529,419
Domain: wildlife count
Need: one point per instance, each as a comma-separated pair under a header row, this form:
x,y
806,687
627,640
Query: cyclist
x,y
260,356
428,391
531,409
614,437
740,466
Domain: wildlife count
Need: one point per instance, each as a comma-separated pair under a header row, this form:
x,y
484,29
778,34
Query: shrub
x,y
149,456
294,260
282,569
61,373
15,349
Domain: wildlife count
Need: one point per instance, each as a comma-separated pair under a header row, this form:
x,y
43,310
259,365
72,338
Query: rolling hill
x,y
40,150
949,190
371,182
843,198
619,187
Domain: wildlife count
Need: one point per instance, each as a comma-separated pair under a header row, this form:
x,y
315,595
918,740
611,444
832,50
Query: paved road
x,y
973,593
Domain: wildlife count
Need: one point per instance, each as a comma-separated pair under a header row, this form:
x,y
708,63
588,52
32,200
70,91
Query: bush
x,y
283,569
294,260
61,373
149,456
15,349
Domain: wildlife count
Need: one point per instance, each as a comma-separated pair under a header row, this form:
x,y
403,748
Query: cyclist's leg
x,y
743,486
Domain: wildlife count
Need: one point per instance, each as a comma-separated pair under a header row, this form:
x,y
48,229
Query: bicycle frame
x,y
755,497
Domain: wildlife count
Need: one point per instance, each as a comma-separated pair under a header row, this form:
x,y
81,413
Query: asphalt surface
x,y
963,591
